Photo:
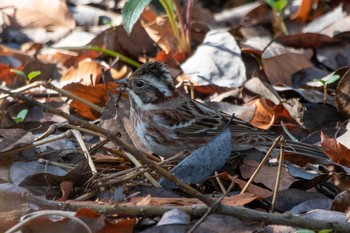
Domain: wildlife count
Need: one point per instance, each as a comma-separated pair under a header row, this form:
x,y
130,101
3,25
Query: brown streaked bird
x,y
168,122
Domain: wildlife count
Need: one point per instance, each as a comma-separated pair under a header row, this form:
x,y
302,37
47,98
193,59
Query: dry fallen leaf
x,y
94,94
159,29
267,114
336,151
304,10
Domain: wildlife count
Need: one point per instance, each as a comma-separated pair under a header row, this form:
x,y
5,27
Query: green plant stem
x,y
167,5
107,52
279,22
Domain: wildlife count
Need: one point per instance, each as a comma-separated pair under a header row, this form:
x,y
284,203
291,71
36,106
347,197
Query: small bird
x,y
168,122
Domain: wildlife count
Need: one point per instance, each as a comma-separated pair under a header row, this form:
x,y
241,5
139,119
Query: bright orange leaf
x,y
267,114
94,94
304,10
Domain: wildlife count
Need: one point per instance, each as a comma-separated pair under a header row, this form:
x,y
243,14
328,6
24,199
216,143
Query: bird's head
x,y
151,84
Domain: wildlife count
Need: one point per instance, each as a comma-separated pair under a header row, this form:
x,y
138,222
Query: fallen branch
x,y
194,211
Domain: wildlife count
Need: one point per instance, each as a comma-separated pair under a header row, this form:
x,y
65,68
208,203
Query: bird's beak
x,y
123,83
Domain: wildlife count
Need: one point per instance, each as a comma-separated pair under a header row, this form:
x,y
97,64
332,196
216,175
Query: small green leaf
x,y
305,231
321,81
20,116
325,231
332,79
19,72
131,12
278,5
33,74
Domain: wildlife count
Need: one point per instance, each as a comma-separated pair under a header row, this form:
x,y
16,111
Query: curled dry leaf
x,y
336,151
159,29
268,114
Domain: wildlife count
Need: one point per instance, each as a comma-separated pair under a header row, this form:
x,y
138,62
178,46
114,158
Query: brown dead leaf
x,y
281,62
19,55
65,58
116,39
11,79
341,180
94,94
86,72
305,40
13,208
11,138
341,202
304,10
172,60
66,189
267,175
259,15
336,151
254,189
159,29
36,14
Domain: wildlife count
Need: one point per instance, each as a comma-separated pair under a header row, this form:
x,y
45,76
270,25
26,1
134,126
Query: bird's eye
x,y
139,83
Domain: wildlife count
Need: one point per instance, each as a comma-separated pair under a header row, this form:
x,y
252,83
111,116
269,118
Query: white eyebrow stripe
x,y
159,85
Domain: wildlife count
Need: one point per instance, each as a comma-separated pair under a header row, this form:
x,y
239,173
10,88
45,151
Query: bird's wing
x,y
194,119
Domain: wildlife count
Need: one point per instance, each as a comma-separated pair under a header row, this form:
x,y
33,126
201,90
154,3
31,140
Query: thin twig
x,y
82,145
74,97
277,140
221,185
278,177
211,208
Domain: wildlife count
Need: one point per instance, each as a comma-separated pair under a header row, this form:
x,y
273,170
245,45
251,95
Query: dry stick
x,y
24,88
146,174
278,177
85,150
193,210
277,140
57,164
74,97
128,148
34,144
221,185
211,208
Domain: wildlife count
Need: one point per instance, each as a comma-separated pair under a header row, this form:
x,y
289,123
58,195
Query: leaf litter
x,y
239,62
